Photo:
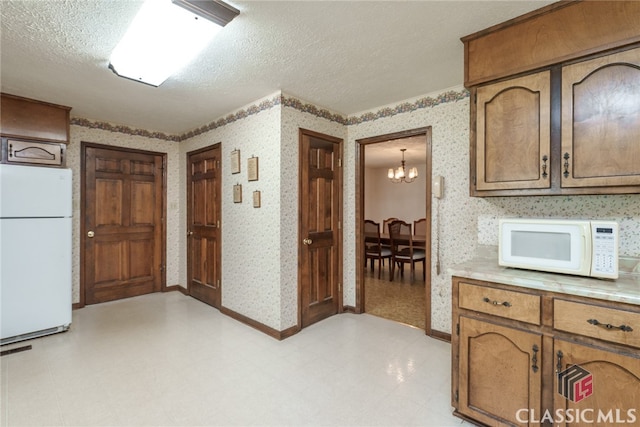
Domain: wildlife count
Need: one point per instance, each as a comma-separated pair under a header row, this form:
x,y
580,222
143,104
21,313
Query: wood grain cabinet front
x,y
581,357
601,121
513,142
501,371
36,153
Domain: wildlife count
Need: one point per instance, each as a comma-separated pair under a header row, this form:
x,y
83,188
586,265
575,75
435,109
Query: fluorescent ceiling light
x,y
164,37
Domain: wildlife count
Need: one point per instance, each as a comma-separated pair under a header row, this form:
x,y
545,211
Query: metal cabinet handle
x,y
623,328
504,303
534,358
566,165
544,166
559,364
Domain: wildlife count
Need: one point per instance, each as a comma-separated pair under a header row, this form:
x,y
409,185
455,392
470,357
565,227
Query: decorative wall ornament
x,y
235,161
256,199
237,193
252,168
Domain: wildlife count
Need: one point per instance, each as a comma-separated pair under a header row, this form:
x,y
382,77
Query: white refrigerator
x,y
35,251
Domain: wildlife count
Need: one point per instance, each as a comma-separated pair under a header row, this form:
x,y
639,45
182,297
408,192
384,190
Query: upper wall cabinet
x,y
513,133
601,121
556,102
33,132
33,120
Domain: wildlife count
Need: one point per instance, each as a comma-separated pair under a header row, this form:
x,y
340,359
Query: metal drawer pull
x,y
505,303
559,364
623,328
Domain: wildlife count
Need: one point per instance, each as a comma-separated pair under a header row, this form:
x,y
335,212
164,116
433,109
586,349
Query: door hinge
x,y
339,287
339,162
457,397
218,164
339,225
218,224
218,283
457,328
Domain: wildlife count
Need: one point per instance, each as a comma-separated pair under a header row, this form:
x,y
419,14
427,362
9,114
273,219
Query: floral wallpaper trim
x,y
122,129
405,107
312,109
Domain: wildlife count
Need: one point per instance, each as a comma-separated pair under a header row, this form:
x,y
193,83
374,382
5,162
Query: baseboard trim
x,y
174,288
443,336
349,309
77,305
274,333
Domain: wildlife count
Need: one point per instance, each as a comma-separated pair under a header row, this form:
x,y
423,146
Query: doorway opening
x,y
378,199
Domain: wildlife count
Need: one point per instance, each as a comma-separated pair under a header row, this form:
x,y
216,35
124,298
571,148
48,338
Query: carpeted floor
x,y
399,300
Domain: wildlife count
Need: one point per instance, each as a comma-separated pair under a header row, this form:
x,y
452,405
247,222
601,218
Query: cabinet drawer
x,y
499,302
594,321
40,153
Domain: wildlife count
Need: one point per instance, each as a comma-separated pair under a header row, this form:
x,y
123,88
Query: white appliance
x,y
35,251
580,247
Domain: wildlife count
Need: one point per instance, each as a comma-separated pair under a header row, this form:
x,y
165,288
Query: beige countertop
x,y
485,267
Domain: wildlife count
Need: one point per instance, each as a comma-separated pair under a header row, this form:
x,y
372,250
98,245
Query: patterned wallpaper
x,y
260,245
465,221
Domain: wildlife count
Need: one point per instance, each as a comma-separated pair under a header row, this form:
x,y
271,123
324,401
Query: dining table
x,y
418,241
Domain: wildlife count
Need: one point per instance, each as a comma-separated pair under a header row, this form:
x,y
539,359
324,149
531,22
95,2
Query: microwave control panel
x,y
605,249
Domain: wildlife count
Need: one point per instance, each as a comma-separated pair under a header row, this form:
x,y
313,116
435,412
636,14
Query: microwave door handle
x,y
587,255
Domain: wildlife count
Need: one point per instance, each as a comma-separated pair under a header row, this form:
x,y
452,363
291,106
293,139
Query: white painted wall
x,y
383,199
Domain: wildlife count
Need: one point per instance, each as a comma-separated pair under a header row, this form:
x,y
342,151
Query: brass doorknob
x,y
307,241
90,234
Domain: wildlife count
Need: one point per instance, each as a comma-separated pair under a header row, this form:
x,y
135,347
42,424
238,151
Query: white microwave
x,y
580,247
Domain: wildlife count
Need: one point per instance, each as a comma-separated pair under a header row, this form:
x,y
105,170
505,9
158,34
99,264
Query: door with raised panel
x,y
601,121
123,232
203,225
499,372
513,136
319,227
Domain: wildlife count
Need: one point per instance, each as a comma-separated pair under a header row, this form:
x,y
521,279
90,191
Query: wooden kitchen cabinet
x,y
500,368
555,102
36,153
512,345
612,379
33,132
513,133
601,121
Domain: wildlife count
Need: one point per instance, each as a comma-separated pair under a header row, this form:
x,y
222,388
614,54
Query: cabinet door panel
x,y
497,374
612,387
601,121
513,133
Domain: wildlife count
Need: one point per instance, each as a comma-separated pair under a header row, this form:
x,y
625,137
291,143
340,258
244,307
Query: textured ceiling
x,y
346,56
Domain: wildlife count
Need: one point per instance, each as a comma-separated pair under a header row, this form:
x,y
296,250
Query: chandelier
x,y
400,174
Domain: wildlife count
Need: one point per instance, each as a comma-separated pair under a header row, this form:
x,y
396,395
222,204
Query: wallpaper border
x,y
287,101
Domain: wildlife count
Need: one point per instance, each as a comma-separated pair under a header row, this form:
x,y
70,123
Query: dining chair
x,y
402,250
385,224
373,249
420,227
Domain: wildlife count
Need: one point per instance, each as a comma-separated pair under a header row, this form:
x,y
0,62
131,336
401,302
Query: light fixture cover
x,y
161,39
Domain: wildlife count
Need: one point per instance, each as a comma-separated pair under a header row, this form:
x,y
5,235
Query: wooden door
x,y
513,136
499,373
601,121
612,388
123,230
320,246
203,225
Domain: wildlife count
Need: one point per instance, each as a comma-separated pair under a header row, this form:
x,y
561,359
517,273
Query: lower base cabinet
x,y
496,362
523,357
